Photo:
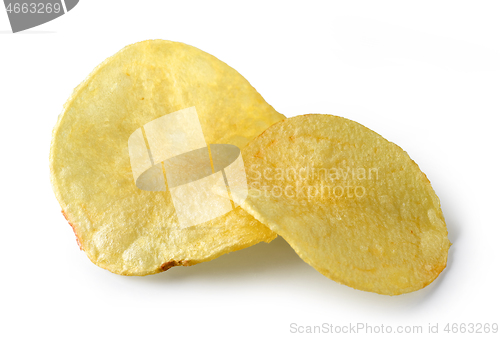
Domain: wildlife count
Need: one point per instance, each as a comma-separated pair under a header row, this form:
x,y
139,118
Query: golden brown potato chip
x,y
352,205
126,229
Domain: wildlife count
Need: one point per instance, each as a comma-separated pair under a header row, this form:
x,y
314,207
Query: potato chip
x,y
352,204
135,231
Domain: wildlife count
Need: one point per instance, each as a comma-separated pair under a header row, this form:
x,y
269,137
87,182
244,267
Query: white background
x,y
425,75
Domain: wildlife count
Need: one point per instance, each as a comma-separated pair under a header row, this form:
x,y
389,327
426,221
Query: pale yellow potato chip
x,y
352,204
125,229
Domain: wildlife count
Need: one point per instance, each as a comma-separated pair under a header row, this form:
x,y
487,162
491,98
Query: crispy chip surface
x,y
125,229
352,204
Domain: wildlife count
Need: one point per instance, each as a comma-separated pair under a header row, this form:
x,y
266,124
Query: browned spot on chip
x,y
170,264
259,155
74,231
